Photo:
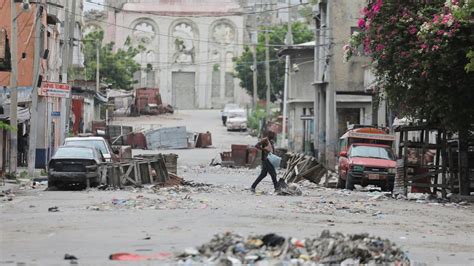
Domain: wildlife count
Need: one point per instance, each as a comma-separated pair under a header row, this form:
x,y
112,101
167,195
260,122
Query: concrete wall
x,y
24,27
300,81
295,125
300,95
347,76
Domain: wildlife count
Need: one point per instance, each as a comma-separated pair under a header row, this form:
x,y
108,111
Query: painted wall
x,y
347,76
25,44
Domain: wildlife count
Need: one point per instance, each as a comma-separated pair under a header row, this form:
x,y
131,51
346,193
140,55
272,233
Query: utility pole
x,y
34,94
267,71
268,21
14,92
68,51
254,52
289,41
97,69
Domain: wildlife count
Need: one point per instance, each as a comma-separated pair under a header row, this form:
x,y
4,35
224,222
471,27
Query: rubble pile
x,y
222,170
169,201
7,195
434,200
328,248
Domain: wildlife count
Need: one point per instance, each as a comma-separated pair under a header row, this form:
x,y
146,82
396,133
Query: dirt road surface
x,y
93,224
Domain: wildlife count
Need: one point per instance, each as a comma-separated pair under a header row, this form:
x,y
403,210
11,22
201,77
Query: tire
x,y
349,182
340,183
387,186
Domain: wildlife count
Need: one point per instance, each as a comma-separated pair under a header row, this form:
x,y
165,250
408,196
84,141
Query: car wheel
x,y
340,182
52,185
349,182
387,186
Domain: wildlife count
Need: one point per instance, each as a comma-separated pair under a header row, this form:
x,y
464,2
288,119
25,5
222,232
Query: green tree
x,y
419,57
6,126
116,68
277,34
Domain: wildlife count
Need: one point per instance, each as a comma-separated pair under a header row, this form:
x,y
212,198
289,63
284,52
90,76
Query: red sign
x,y
53,89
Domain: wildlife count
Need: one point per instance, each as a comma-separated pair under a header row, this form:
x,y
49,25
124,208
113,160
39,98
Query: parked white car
x,y
225,112
237,120
95,142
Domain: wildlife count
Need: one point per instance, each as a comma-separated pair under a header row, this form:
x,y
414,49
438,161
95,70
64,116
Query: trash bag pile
x,y
328,248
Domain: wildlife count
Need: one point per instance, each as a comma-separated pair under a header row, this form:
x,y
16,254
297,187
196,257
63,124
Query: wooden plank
x,y
443,162
150,171
126,176
137,173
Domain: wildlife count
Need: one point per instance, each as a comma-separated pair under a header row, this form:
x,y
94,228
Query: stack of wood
x,y
300,167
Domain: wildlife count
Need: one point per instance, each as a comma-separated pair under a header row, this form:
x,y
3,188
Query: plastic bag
x,y
274,160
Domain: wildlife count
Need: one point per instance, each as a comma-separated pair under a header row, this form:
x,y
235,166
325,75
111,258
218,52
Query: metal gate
x,y
183,90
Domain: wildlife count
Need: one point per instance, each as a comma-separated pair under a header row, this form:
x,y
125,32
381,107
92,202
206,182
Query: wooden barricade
x,y
135,172
300,166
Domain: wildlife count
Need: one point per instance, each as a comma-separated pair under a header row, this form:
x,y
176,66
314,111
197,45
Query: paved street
x,y
93,224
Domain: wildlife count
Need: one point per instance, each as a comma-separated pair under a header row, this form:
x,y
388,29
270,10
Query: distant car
x,y
75,165
237,120
95,142
225,111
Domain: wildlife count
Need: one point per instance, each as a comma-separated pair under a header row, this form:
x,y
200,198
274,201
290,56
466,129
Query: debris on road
x,y
239,156
301,166
291,189
328,248
167,138
138,257
69,257
203,140
53,209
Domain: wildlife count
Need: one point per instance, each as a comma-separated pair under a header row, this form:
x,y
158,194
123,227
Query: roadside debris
x,y
53,209
138,257
69,257
203,140
300,166
167,138
328,248
288,189
7,195
239,156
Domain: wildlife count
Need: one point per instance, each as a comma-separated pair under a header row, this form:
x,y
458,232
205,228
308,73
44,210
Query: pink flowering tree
x,y
420,55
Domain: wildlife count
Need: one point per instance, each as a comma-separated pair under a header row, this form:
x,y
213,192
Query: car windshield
x,y
99,144
371,152
230,107
237,113
74,152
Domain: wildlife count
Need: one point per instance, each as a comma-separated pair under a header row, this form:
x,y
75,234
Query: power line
x,y
231,14
170,36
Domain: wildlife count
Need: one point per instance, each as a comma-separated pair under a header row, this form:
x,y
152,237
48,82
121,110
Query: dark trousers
x,y
267,168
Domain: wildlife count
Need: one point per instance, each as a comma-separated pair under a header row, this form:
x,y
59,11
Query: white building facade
x,y
188,47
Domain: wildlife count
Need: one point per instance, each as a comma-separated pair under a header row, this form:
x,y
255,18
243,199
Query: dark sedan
x,y
75,165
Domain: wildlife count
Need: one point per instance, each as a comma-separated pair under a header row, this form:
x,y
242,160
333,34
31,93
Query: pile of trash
x,y
167,201
434,200
328,248
7,195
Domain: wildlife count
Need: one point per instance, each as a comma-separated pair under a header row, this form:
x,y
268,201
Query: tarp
x,y
22,115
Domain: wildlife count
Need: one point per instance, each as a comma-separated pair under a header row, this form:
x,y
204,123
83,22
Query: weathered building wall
x,y
300,94
25,43
202,40
343,19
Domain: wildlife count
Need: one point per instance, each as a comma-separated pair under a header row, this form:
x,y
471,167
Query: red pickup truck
x,y
366,158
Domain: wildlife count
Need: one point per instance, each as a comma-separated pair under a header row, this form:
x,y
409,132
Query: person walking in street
x,y
266,145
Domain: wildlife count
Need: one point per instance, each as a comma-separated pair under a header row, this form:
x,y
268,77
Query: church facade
x,y
187,47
